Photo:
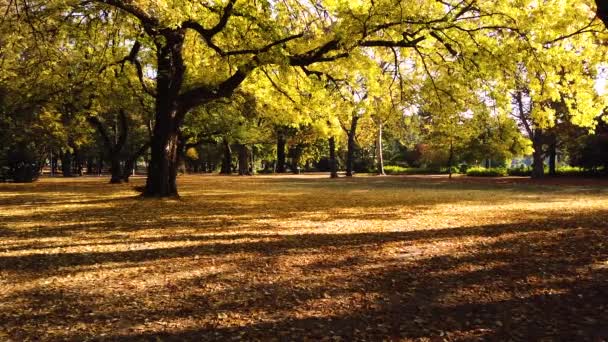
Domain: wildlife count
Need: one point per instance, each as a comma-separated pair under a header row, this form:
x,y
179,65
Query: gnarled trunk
x,y
162,170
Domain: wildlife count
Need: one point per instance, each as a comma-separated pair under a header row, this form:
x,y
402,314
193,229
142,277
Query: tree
x,y
189,54
602,10
212,34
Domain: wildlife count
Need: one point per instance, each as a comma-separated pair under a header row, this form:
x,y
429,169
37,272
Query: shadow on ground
x,y
104,274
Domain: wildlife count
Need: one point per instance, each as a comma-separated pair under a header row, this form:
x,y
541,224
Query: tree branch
x,y
150,23
94,121
389,43
202,94
208,34
584,29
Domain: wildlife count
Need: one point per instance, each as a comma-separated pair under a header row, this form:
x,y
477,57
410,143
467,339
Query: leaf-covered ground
x,y
304,258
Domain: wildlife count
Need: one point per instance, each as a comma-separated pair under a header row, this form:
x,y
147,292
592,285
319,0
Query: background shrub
x,y
483,172
22,166
522,171
400,170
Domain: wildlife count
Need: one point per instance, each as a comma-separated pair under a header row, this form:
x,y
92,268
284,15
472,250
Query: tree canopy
x,y
241,71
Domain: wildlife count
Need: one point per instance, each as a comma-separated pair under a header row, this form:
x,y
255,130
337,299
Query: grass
x,y
263,258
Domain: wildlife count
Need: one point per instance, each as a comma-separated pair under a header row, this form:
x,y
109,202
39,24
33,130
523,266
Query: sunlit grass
x,y
272,257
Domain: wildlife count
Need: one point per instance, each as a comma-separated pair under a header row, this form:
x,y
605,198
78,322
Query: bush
x,y
400,170
571,171
483,172
21,166
522,171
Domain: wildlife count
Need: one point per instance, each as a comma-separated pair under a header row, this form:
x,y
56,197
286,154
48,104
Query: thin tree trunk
x,y
53,164
130,163
450,160
113,148
379,156
281,142
350,154
553,155
100,164
333,163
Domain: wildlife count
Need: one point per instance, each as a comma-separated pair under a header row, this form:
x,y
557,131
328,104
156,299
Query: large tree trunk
x,y
333,163
115,169
66,164
252,160
281,142
296,158
538,167
162,170
602,10
243,160
227,160
350,154
379,156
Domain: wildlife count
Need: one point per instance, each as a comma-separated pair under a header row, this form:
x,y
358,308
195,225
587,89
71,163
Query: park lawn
x,y
304,257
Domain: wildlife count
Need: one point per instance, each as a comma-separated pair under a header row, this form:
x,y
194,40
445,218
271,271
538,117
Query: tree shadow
x,y
217,266
530,280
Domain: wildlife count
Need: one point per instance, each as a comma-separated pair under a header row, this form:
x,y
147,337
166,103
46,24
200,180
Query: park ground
x,y
305,258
